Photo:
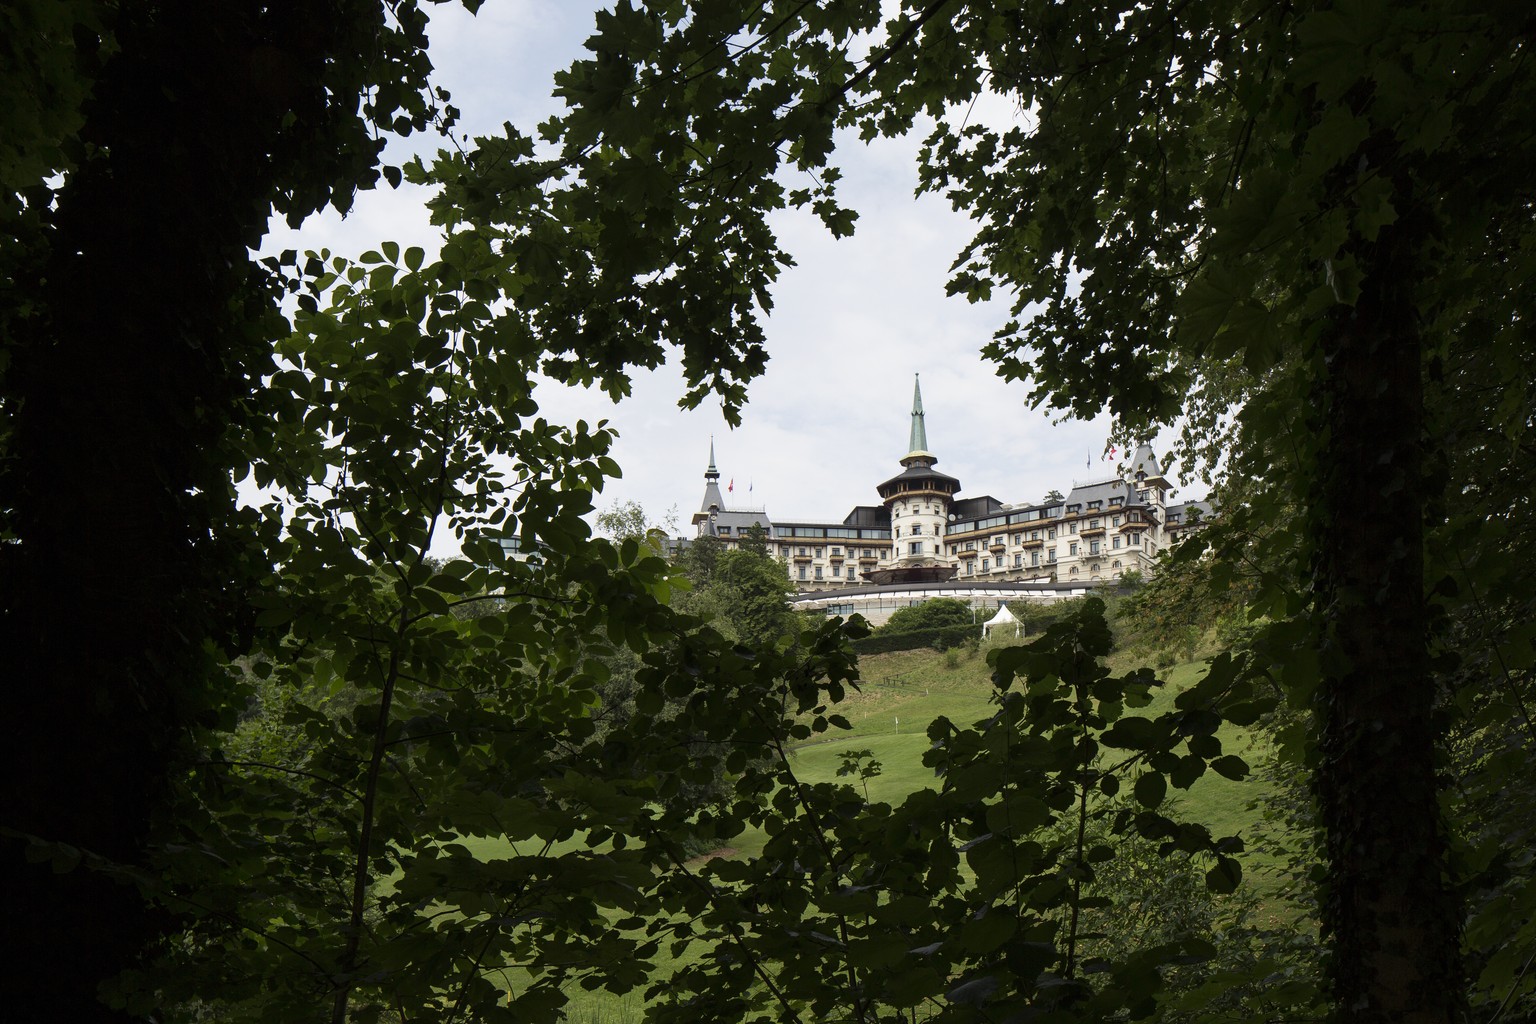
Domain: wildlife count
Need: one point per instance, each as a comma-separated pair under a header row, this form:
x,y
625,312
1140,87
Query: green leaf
x,y
1133,733
1150,789
983,934
1230,766
1225,876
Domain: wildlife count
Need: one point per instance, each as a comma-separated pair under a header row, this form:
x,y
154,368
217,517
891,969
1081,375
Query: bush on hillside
x,y
931,614
1036,616
940,638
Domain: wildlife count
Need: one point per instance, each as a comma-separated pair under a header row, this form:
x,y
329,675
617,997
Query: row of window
x,y
846,532
1050,533
805,573
837,552
1054,512
967,552
918,548
986,566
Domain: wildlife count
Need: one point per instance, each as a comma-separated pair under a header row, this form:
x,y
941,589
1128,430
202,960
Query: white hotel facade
x,y
925,540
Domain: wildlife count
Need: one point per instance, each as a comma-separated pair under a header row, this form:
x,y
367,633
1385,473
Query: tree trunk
x,y
142,335
1391,919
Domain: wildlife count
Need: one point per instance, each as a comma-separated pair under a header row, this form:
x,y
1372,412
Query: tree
x,y
1052,496
1267,218
434,706
938,611
626,519
1241,212
146,145
743,590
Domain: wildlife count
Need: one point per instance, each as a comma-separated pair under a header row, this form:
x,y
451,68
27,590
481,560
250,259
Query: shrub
x,y
931,614
939,638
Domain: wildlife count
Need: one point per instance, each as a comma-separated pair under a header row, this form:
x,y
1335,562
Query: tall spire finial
x,y
919,439
713,501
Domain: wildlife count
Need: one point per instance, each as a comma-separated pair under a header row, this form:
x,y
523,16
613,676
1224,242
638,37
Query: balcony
x,y
1032,543
1092,531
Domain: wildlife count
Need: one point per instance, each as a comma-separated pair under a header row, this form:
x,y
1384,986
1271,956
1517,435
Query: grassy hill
x,y
900,694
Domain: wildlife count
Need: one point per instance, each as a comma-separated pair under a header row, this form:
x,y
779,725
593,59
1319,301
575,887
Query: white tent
x,y
1003,618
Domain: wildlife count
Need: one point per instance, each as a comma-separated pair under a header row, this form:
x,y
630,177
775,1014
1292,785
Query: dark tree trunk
x,y
1392,922
144,333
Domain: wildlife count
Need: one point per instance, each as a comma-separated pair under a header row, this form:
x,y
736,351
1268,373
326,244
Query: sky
x,y
852,322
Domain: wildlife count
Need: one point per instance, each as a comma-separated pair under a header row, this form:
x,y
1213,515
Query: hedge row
x,y
940,637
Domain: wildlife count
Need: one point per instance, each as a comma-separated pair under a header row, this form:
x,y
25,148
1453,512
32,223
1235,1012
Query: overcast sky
x,y
851,324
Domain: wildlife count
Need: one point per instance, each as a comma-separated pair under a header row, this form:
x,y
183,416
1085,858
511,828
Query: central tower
x,y
918,499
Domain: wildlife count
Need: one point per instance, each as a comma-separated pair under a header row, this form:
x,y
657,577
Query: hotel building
x,y
924,534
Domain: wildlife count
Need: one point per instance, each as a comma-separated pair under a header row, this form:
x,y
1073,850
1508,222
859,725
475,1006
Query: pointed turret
x,y
920,474
712,502
1145,468
917,443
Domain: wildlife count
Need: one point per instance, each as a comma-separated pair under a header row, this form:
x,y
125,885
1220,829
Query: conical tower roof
x,y
1145,462
917,443
713,500
919,475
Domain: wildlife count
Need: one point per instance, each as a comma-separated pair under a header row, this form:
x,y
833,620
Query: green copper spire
x,y
711,471
919,440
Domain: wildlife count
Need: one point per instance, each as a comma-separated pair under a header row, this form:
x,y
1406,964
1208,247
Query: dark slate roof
x,y
1145,461
919,470
975,508
1082,494
870,516
1206,510
738,520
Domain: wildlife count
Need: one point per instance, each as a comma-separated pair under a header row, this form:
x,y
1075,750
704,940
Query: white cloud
x,y
851,325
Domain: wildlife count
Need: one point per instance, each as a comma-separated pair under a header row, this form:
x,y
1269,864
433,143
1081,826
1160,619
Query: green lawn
x,y
900,694
906,690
